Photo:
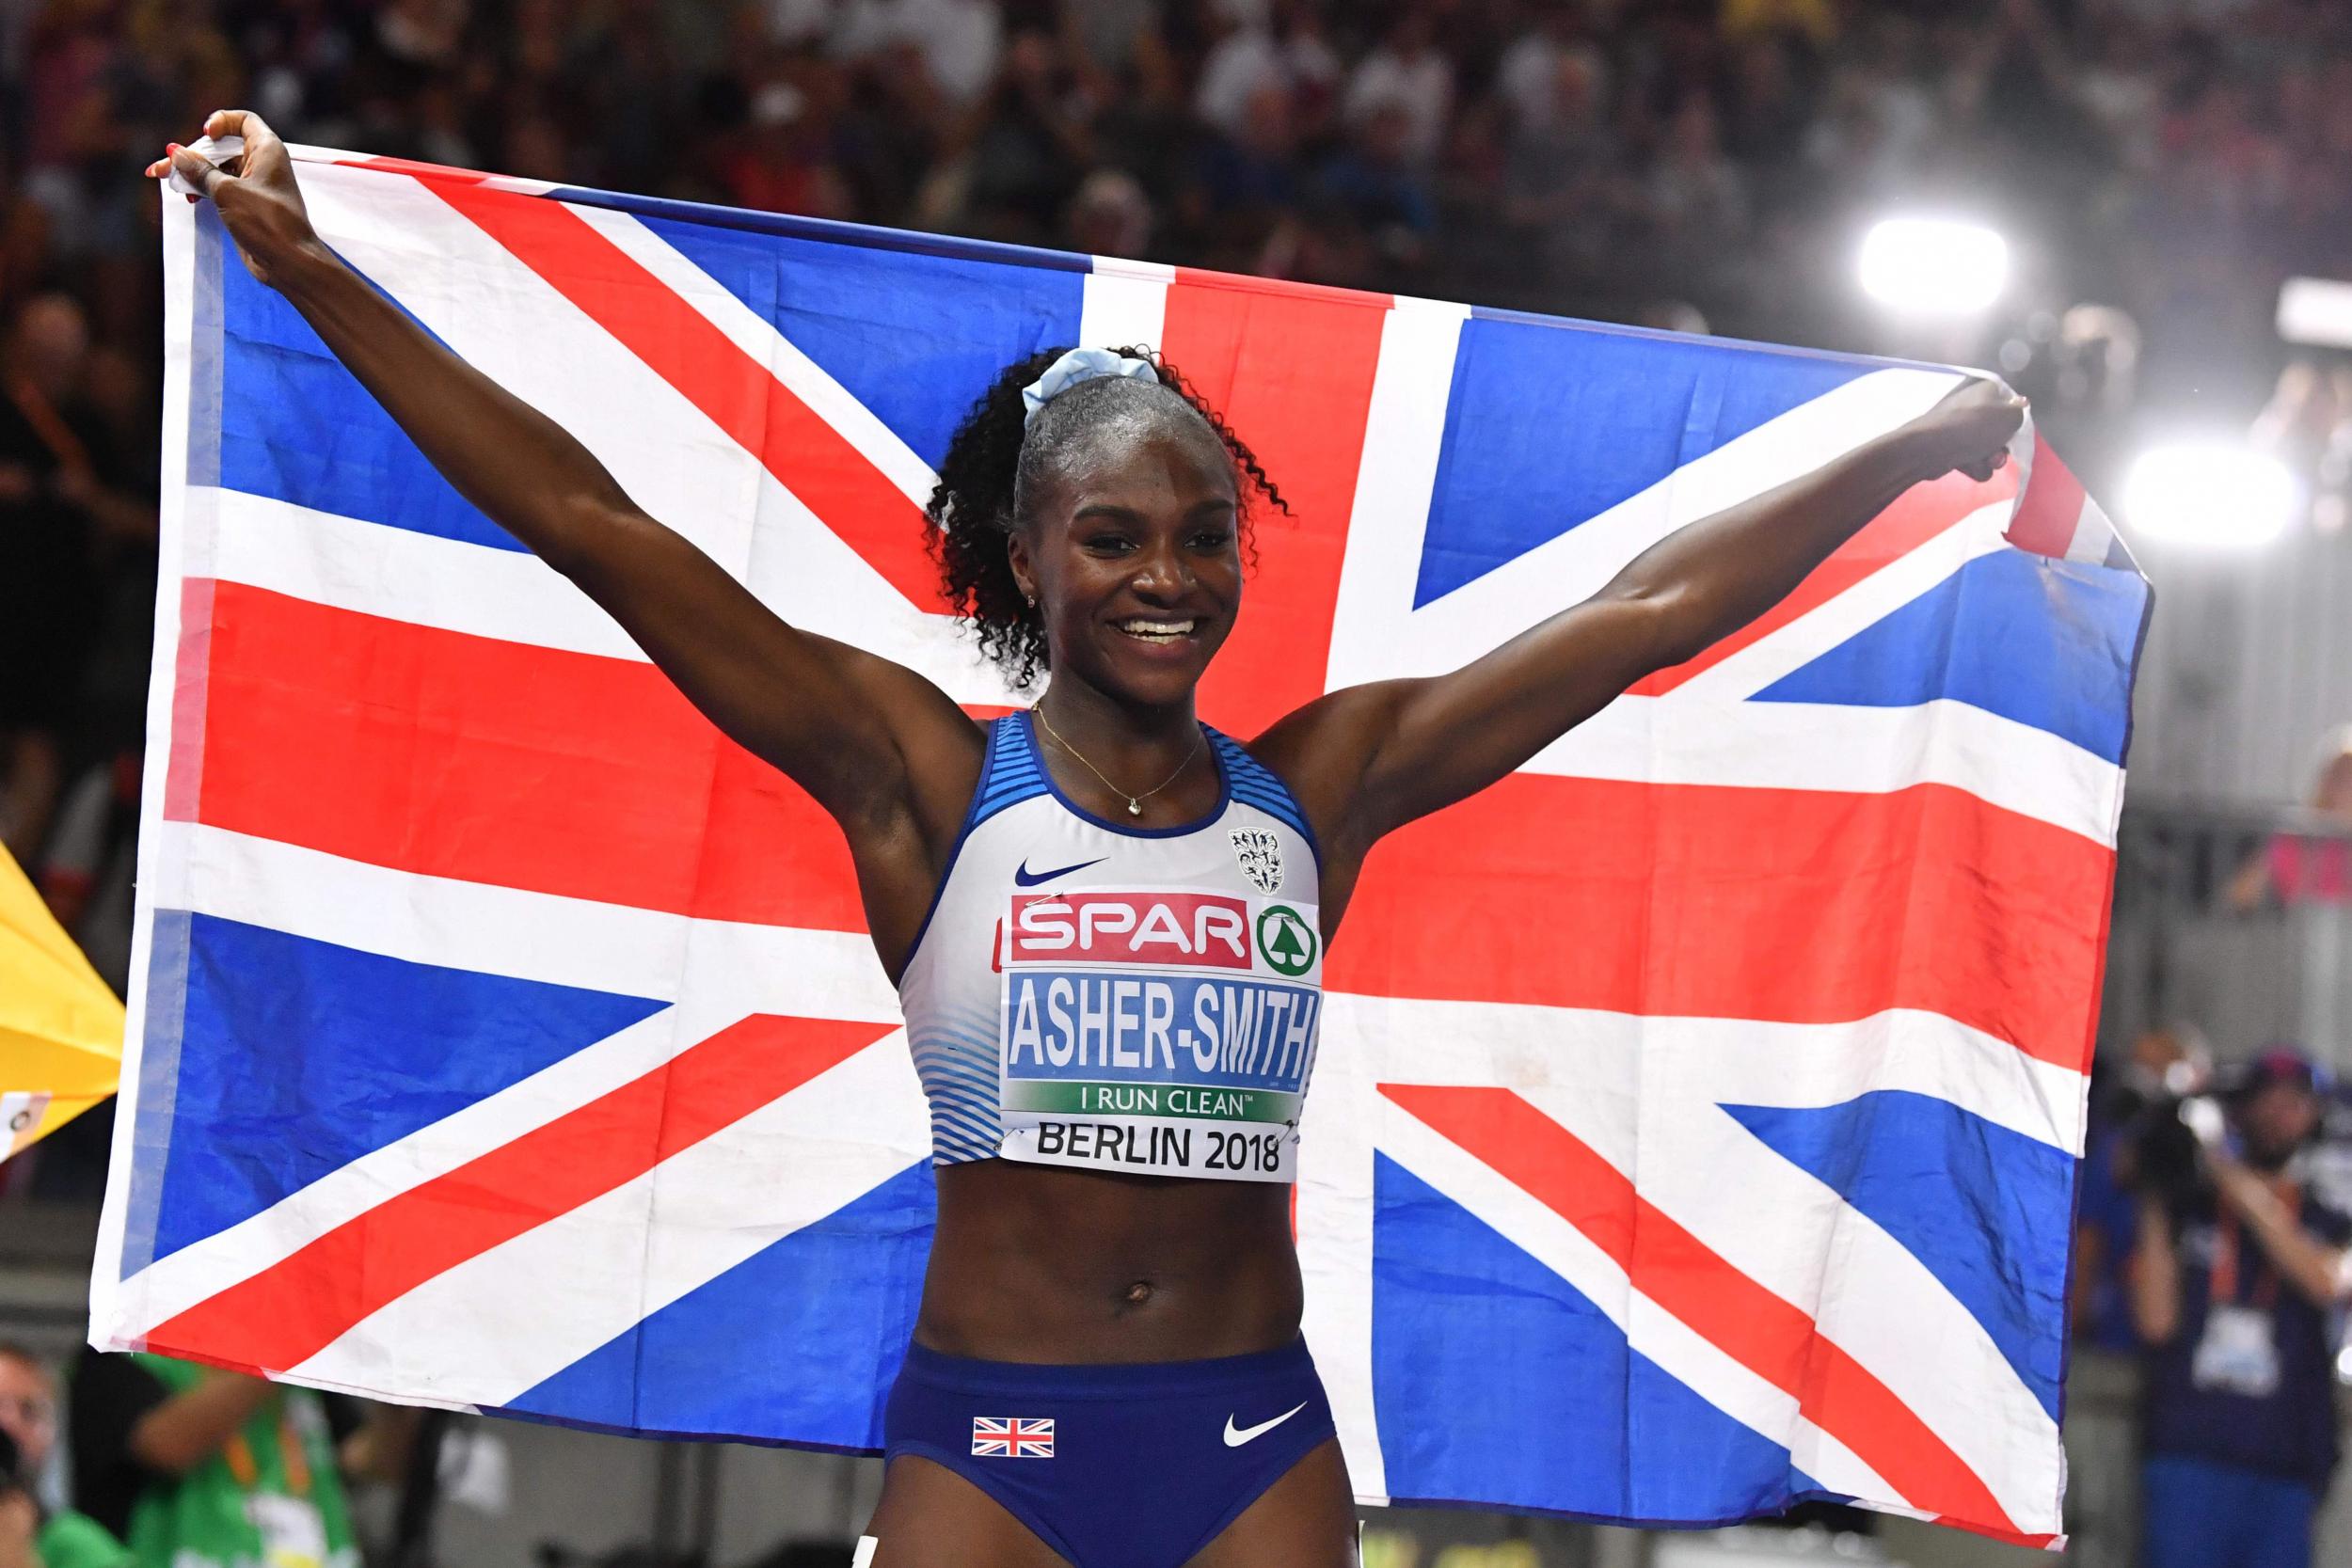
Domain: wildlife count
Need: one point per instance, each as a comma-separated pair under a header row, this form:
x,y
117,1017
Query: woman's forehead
x,y
1153,457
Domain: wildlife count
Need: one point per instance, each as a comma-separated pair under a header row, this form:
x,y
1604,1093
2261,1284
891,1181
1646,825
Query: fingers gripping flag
x,y
1701,1104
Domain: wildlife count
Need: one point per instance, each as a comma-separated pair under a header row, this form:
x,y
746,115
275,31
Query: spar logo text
x,y
1187,930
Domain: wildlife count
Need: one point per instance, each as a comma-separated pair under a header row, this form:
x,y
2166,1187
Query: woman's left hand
x,y
1969,430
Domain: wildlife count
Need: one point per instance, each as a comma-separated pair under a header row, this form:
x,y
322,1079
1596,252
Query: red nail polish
x,y
171,147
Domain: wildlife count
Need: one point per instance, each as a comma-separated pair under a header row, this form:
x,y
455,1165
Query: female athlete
x,y
1104,920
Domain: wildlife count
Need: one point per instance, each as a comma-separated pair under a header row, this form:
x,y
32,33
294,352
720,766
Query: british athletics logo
x,y
1718,1077
1013,1438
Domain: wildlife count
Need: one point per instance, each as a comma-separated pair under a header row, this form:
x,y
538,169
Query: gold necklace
x,y
1134,802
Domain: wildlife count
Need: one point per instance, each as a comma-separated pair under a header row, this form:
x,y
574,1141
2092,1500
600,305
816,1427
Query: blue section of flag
x,y
297,427
297,1056
1547,428
1573,1422
1986,1210
828,231
872,320
2049,643
813,1299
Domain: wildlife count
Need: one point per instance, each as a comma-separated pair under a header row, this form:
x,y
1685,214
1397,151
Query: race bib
x,y
2237,1353
1163,1031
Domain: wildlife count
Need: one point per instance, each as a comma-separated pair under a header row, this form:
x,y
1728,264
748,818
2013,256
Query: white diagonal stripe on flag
x,y
1838,748
397,573
1734,1193
757,337
532,936
1591,1060
514,326
1649,1330
842,1134
1788,649
1403,434
1460,625
674,461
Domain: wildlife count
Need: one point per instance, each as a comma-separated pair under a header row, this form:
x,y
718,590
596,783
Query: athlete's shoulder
x,y
1321,749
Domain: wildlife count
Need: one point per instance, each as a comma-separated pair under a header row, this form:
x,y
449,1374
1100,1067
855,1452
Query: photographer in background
x,y
2237,1278
31,1537
203,1468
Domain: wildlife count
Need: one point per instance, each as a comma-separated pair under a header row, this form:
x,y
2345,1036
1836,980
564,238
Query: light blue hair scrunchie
x,y
1079,364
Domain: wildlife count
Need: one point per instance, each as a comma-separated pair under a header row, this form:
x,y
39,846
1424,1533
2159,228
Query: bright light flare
x,y
2216,494
1934,266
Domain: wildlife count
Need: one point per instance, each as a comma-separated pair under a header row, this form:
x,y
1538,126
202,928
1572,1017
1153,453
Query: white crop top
x,y
1136,999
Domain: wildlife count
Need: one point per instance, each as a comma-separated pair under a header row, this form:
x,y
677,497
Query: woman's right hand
x,y
256,192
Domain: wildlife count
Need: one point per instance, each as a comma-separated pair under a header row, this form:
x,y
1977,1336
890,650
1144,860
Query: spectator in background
x,y
1407,81
2307,423
28,1422
51,458
1815,21
1528,76
1695,198
1378,184
1564,187
1246,61
2311,867
2164,1066
1030,142
201,1468
958,41
781,165
1247,181
1109,217
88,870
20,1514
2237,1278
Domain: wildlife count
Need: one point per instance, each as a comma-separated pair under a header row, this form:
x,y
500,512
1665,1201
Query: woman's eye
x,y
1110,544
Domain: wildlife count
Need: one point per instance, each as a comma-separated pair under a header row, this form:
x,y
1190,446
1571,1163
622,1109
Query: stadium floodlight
x,y
2315,310
1925,266
2214,493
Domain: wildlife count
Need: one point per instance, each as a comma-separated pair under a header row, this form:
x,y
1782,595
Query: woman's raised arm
x,y
1368,759
853,730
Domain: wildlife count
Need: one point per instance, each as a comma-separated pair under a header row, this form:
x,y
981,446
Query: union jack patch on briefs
x,y
1013,1438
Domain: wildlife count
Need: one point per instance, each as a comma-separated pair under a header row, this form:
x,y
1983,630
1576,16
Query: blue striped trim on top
x,y
1012,773
1255,784
1008,775
955,1059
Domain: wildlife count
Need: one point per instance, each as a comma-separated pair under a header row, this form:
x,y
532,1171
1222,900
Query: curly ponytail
x,y
977,503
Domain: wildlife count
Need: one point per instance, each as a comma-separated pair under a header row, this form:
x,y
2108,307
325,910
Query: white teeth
x,y
1157,631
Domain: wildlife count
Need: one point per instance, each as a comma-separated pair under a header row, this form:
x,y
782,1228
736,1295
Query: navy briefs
x,y
1113,1465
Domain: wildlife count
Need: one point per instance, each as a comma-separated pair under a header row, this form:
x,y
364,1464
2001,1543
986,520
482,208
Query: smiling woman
x,y
1013,442
1107,920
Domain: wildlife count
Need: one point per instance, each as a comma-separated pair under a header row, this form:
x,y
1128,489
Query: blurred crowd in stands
x,y
1680,162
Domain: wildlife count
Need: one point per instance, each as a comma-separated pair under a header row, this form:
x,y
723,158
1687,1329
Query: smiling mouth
x,y
1157,631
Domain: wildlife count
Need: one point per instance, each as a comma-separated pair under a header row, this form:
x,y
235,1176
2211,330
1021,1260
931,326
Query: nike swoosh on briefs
x,y
1236,1439
1026,878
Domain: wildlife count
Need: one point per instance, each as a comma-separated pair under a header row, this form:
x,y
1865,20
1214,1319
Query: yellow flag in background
x,y
60,1027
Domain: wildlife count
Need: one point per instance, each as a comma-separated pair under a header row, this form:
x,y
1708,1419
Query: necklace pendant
x,y
1134,808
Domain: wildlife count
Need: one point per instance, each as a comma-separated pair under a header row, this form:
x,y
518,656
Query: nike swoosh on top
x,y
1026,878
1236,1439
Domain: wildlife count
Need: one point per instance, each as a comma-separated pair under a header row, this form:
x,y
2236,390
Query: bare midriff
x,y
1041,1265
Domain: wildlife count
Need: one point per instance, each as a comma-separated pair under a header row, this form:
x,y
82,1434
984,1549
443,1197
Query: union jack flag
x,y
1013,1438
1698,1108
